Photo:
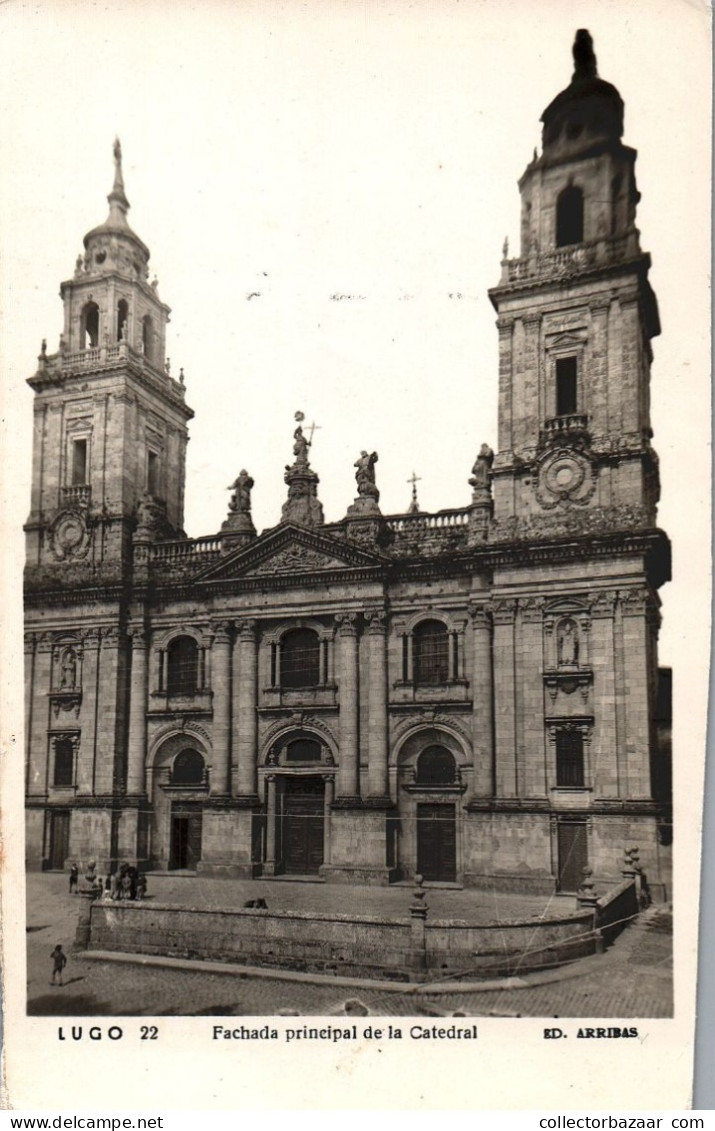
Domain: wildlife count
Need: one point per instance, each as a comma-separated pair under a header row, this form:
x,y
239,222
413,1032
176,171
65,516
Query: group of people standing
x,y
126,883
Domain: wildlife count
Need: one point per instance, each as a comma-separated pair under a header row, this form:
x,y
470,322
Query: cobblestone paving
x,y
633,979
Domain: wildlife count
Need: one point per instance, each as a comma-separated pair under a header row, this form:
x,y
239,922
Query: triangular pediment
x,y
291,551
567,340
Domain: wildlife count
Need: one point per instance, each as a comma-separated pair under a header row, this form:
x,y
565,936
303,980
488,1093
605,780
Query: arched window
x,y
182,666
64,762
148,337
122,318
188,768
300,658
303,750
569,758
436,766
431,652
89,326
569,216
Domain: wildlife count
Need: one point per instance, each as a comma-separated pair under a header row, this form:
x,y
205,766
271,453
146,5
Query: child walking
x,y
59,961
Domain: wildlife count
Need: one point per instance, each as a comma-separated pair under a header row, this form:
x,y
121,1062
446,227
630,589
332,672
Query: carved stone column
x,y
136,783
247,751
349,766
221,686
377,742
482,702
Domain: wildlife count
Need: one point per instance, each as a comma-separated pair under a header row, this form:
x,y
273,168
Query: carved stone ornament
x,y
565,476
297,559
70,537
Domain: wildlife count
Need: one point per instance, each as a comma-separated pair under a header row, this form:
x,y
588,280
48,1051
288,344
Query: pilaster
x,y
348,784
247,719
221,687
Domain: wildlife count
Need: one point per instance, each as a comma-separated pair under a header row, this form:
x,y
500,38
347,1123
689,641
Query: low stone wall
x,y
359,946
616,910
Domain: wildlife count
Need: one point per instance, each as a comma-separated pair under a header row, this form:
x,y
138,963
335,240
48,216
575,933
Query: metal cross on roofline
x,y
300,417
414,480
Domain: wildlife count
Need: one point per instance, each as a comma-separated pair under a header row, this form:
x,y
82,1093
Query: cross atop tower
x,y
414,507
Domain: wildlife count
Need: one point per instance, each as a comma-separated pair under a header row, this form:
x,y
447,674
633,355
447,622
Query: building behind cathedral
x,y
471,695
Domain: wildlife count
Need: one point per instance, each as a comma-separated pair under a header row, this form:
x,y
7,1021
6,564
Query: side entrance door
x,y
185,836
303,825
59,839
573,854
436,842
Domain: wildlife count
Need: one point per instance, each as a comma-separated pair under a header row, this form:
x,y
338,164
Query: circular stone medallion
x,y
565,475
70,537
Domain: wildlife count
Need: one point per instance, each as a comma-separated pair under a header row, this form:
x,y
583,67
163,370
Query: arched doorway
x,y
436,820
178,778
188,772
430,768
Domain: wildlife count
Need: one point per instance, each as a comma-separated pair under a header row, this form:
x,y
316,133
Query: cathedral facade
x,y
468,695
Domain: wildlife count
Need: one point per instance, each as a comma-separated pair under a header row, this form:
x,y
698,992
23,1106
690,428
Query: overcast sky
x,y
277,155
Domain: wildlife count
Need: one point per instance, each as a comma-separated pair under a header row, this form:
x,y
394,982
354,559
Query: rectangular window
x,y
152,473
569,758
64,762
566,386
79,463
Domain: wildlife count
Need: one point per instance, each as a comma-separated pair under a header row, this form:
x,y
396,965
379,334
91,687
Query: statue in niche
x,y
68,670
567,642
365,474
240,502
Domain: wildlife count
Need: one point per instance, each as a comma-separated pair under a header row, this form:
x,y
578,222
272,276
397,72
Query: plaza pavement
x,y
632,979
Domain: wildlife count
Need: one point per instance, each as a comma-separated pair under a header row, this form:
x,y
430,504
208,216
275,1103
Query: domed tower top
x,y
589,111
113,244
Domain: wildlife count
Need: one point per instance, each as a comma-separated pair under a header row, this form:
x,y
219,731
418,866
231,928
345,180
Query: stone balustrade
x,y
569,260
440,521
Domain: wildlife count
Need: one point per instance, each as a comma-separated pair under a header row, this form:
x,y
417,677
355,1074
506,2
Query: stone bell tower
x,y
575,482
576,316
109,420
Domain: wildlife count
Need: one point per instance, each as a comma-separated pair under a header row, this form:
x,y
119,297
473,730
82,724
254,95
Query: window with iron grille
x,y
300,658
431,652
303,750
188,768
569,758
182,666
436,766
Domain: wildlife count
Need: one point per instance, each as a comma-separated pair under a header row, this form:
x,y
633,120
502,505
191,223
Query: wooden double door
x,y
303,825
437,841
